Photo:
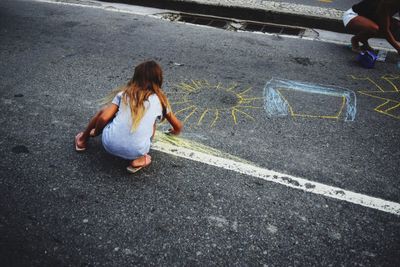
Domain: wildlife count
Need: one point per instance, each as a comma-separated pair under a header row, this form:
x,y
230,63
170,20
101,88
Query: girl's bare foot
x,y
139,163
355,47
142,161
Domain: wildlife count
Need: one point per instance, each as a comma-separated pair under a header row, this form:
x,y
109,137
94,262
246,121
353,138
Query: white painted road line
x,y
280,178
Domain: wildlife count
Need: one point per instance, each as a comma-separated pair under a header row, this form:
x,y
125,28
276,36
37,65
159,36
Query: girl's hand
x,y
175,123
171,132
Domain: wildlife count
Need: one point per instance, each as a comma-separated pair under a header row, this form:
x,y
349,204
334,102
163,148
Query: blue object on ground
x,y
367,59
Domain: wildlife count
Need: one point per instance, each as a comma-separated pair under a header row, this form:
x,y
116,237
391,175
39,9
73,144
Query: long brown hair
x,y
147,80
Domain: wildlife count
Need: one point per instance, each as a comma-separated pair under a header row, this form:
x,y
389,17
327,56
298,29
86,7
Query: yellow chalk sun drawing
x,y
390,96
199,103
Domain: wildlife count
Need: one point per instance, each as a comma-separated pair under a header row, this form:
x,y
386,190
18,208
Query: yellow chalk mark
x,y
234,116
375,96
244,92
286,101
325,1
294,114
181,102
246,114
230,88
253,107
185,143
250,99
381,105
368,79
191,108
342,107
187,87
391,76
216,118
395,104
190,114
207,83
390,81
172,93
315,116
388,114
197,86
202,116
392,108
180,111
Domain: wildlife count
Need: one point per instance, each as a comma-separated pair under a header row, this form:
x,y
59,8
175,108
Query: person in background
x,y
372,18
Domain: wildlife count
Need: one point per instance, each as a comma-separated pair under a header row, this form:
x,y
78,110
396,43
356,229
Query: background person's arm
x,y
385,20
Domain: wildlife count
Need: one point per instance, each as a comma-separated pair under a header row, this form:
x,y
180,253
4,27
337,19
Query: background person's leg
x,y
364,29
395,28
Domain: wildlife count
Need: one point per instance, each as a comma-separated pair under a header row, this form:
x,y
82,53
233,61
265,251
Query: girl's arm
x,y
385,27
106,115
175,123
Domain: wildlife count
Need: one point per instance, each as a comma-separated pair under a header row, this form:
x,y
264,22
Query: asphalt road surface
x,y
269,121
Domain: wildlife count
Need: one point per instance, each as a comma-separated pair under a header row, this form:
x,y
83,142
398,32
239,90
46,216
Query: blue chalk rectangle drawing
x,y
277,102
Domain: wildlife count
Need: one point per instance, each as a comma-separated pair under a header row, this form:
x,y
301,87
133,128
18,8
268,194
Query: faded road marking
x,y
279,178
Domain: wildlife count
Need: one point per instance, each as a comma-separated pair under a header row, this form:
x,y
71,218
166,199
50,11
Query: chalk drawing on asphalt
x,y
200,103
299,99
386,89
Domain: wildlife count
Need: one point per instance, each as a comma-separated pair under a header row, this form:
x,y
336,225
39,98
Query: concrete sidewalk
x,y
158,8
265,11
